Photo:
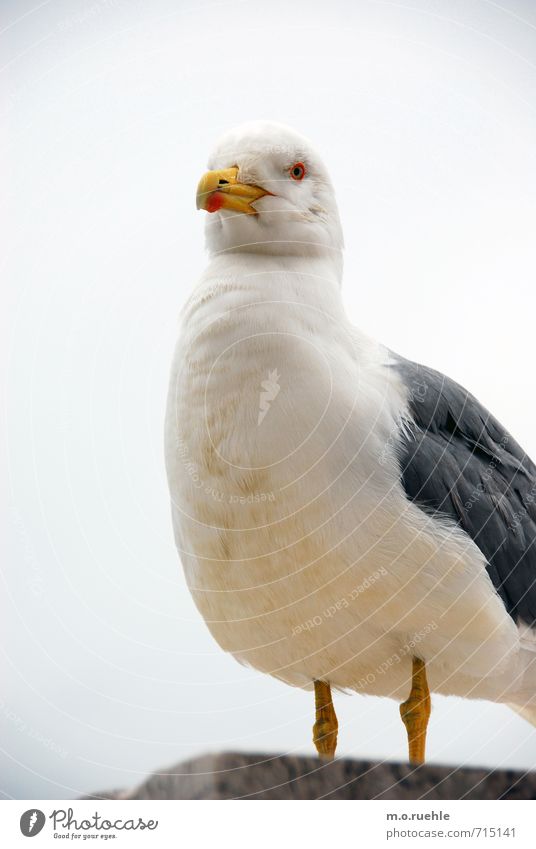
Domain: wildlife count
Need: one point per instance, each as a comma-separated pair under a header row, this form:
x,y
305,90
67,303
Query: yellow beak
x,y
221,190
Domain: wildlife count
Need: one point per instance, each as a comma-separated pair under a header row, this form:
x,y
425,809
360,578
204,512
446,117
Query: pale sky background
x,y
425,113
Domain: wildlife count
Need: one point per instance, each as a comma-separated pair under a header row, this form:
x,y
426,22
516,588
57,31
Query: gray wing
x,y
459,461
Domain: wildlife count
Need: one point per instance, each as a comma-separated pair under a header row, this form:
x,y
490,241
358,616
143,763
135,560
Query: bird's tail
x,y
528,712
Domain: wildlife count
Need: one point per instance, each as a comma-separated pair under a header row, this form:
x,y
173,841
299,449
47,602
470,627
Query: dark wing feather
x,y
459,461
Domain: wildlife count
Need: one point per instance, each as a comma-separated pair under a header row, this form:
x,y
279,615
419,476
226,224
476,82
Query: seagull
x,y
347,519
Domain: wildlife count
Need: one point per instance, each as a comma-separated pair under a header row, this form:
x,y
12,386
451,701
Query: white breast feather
x,y
298,544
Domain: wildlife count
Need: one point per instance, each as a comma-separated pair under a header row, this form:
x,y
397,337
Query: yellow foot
x,y
326,726
415,712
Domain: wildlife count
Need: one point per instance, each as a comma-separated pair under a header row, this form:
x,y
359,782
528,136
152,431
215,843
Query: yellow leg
x,y
326,725
415,712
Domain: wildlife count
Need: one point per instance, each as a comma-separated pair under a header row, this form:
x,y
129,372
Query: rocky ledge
x,y
232,775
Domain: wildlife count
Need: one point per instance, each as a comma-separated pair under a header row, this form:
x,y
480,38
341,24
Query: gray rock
x,y
232,775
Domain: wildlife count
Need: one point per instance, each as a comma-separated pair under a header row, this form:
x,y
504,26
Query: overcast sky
x,y
425,113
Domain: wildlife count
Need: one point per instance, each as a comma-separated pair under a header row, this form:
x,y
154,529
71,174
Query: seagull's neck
x,y
308,279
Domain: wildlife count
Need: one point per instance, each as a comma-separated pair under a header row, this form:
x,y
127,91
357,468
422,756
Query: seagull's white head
x,y
269,192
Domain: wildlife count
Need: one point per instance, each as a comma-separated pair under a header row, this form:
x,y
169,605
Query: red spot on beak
x,y
214,202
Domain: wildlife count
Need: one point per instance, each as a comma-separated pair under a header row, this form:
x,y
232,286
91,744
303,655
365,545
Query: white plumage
x,y
300,547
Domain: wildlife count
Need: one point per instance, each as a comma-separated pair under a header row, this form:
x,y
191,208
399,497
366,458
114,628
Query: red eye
x,y
297,172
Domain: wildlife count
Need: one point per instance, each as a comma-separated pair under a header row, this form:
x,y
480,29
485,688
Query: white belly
x,y
298,545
